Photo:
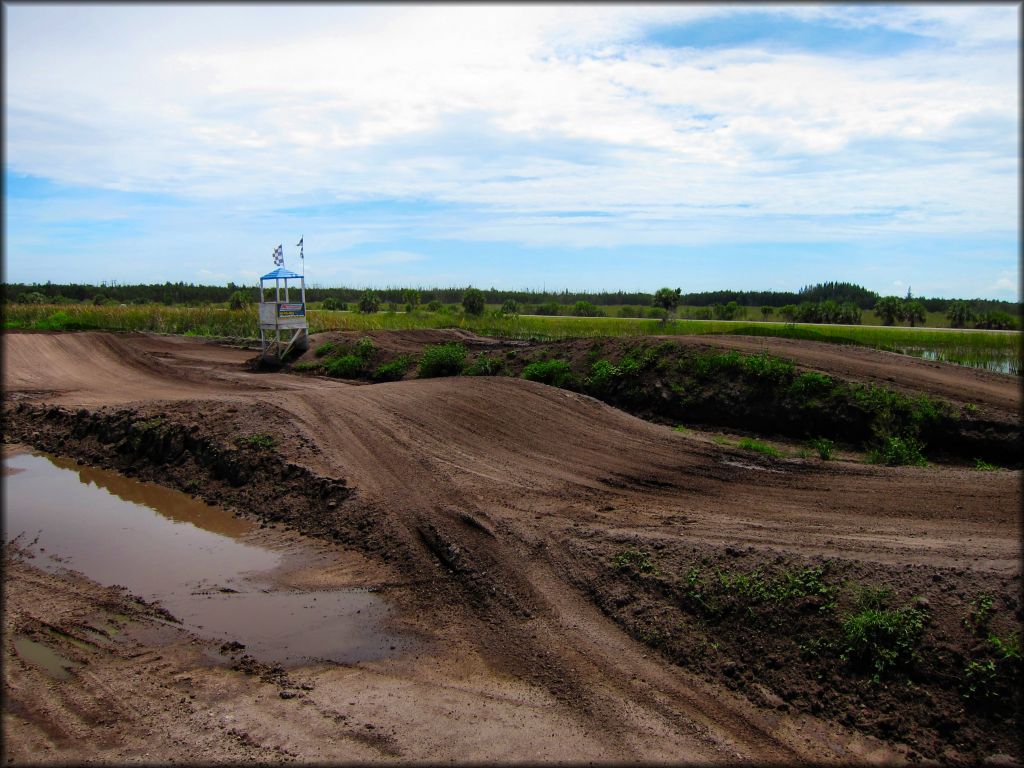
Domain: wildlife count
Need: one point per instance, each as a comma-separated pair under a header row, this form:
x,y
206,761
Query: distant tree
x,y
239,300
848,314
959,314
31,297
996,320
586,309
510,307
766,312
730,311
889,309
434,306
369,302
333,304
913,311
548,308
473,302
788,311
411,297
668,300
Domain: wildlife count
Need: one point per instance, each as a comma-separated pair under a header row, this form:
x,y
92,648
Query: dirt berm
x,y
644,593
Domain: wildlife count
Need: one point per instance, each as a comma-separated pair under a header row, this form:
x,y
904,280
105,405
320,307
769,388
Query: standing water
x,y
164,545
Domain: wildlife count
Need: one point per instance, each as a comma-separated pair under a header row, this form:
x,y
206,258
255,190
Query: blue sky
x,y
597,147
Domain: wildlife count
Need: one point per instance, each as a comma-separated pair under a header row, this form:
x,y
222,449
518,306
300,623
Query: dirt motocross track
x,y
499,505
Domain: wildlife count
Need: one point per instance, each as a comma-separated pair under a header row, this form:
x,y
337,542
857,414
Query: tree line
x,y
187,293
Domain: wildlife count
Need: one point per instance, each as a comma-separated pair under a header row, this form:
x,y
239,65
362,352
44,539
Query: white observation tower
x,y
281,313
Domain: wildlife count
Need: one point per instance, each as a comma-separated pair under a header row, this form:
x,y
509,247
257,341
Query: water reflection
x,y
164,545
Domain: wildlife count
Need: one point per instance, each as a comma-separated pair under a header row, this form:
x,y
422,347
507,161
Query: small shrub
x,y
554,372
344,366
333,304
603,373
810,385
765,367
984,466
307,365
823,446
749,444
872,598
258,441
393,371
979,681
434,306
485,366
898,451
239,300
442,360
634,559
882,640
364,348
327,348
978,618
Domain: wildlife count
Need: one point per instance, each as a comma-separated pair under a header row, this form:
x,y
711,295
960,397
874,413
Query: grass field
x,y
996,350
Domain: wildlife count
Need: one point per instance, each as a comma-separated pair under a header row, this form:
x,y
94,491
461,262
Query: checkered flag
x,y
279,256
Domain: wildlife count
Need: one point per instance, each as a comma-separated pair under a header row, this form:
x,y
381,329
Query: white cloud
x,y
566,109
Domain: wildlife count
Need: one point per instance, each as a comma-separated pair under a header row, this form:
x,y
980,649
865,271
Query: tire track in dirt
x,y
473,477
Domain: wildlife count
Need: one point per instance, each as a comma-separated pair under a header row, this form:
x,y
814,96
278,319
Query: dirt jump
x,y
584,584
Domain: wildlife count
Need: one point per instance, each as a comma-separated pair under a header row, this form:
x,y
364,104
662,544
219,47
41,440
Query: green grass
x,y
259,441
749,444
967,346
882,639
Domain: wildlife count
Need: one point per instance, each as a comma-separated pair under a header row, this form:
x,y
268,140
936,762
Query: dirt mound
x,y
522,509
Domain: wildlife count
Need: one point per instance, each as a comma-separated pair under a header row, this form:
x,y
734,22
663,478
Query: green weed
x,y
979,617
898,451
393,371
634,559
259,441
750,444
554,372
484,365
327,348
882,639
823,446
811,385
984,466
344,366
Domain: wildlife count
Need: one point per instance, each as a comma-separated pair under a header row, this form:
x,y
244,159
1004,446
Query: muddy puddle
x,y
198,561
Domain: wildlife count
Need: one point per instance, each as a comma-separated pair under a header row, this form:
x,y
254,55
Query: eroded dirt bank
x,y
552,542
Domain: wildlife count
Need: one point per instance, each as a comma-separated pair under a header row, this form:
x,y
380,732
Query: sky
x,y
582,147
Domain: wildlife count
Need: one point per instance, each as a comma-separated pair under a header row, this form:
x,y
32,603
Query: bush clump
x,y
393,371
557,373
898,451
344,366
882,639
442,360
486,366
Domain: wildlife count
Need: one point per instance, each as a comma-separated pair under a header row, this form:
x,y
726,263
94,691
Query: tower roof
x,y
279,273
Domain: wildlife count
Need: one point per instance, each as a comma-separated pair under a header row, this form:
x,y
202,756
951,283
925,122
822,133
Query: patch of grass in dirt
x,y
634,560
882,639
485,365
442,360
822,446
258,441
749,444
984,466
895,451
308,365
844,648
